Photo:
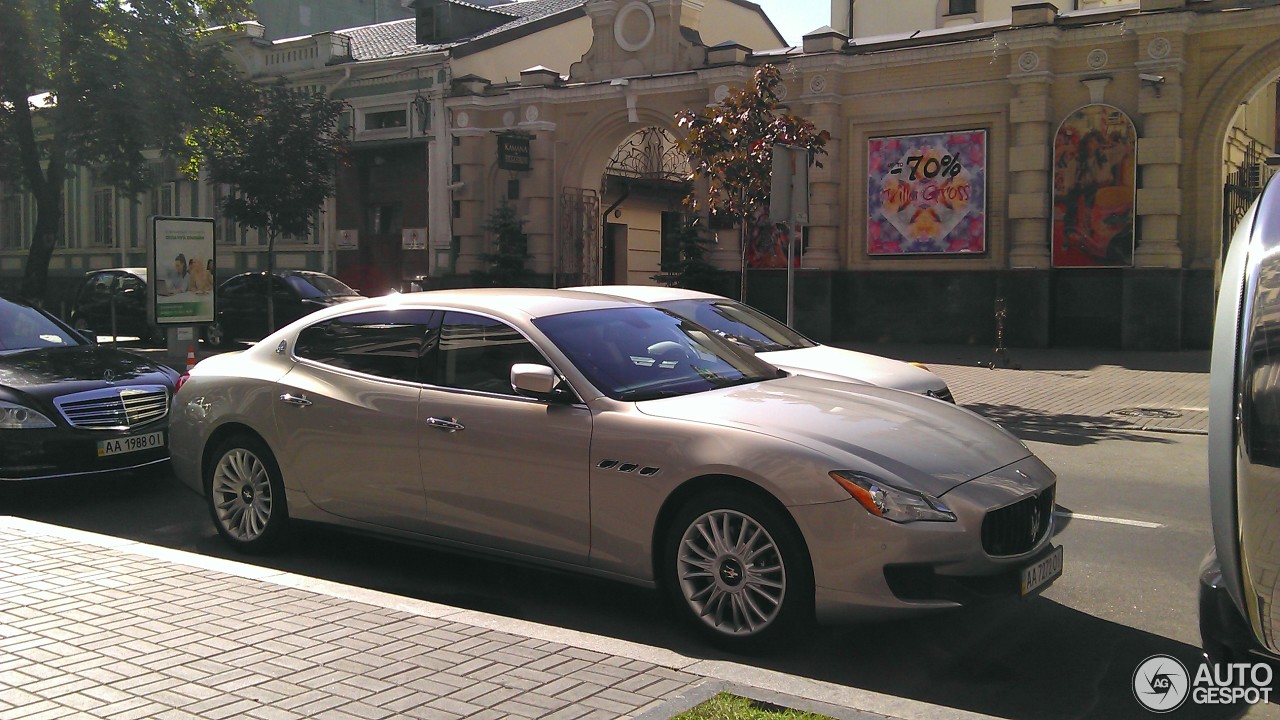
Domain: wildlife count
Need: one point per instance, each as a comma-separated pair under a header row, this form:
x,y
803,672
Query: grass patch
x,y
731,707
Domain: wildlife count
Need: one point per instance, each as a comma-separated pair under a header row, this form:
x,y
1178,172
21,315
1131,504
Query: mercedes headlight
x,y
20,417
891,503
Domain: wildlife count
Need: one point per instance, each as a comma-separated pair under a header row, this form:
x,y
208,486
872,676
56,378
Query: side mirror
x,y
535,380
541,382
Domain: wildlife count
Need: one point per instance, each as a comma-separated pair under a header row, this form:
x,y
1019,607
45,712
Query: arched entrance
x,y
642,193
1252,139
611,227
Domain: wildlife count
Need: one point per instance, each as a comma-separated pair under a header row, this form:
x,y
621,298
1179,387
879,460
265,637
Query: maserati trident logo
x,y
1035,522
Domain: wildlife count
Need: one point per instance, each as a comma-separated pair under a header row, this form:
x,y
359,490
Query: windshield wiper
x,y
642,395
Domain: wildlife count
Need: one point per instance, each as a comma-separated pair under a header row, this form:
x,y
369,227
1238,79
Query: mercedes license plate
x,y
1043,572
132,443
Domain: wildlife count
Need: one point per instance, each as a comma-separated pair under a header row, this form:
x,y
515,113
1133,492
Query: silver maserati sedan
x,y
779,344
615,438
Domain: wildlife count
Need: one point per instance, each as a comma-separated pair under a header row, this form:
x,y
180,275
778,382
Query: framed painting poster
x,y
1094,181
926,194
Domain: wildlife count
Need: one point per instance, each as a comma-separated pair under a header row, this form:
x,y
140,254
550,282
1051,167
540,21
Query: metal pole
x,y
792,229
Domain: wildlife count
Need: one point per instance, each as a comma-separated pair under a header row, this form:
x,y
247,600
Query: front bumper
x,y
27,455
866,567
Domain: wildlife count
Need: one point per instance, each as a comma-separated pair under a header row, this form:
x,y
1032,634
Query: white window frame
x,y
105,230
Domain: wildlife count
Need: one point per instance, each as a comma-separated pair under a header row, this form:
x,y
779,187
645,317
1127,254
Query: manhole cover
x,y
1147,413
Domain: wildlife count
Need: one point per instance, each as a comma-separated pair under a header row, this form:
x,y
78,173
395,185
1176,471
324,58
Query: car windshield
x,y
644,353
315,285
739,322
22,327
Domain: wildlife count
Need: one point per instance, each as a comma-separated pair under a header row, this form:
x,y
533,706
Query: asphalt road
x,y
1138,530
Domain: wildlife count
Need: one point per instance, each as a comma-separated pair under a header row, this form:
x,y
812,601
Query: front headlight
x,y
20,417
891,503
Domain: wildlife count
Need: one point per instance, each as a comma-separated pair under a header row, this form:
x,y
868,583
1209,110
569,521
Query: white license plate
x,y
133,443
1042,573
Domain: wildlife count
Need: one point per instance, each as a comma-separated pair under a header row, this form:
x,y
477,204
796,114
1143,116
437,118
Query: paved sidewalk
x,y
1056,389
98,627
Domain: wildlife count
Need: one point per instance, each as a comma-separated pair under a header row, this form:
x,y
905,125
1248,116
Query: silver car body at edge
x,y
586,485
1240,578
818,360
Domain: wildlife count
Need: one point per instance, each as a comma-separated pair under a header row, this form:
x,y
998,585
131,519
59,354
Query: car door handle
x,y
291,399
448,425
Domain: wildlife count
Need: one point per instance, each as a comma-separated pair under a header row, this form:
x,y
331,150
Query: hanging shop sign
x,y
513,152
1094,185
926,194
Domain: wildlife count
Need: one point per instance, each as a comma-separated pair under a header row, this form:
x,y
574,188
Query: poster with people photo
x,y
927,193
1094,171
182,270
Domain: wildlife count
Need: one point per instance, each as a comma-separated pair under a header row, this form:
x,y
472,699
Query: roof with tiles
x,y
398,37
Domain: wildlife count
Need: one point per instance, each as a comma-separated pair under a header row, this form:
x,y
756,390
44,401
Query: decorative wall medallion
x,y
531,113
1028,61
1097,58
722,92
818,83
780,91
508,119
1158,48
461,119
633,27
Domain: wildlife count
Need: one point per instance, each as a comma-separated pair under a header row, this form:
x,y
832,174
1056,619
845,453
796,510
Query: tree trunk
x,y
35,276
742,266
271,283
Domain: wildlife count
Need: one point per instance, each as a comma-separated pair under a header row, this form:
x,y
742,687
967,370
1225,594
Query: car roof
x,y
139,271
647,293
523,303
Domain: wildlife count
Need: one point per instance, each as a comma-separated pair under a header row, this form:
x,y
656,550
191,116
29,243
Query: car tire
x,y
214,336
736,569
245,494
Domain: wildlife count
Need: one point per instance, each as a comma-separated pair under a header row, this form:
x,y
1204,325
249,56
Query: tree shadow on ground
x,y
1060,429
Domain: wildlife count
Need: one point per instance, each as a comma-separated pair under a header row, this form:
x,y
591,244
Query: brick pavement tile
x,y
599,702
603,714
319,705
638,683
491,698
572,712
454,706
588,655
145,711
273,713
386,697
613,671
235,709
356,710
426,712
439,685
55,687
177,714
542,700
515,708
599,678
579,692
558,664
27,711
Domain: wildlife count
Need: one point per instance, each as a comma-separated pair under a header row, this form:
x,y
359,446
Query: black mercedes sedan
x,y
71,407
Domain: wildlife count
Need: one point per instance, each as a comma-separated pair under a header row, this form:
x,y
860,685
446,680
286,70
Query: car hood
x,y
60,370
930,444
873,369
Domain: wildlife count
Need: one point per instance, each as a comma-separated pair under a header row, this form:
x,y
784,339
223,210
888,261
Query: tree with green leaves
x,y
507,263
688,268
730,147
93,83
278,155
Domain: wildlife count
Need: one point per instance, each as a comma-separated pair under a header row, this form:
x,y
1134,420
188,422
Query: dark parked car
x,y
126,288
242,302
71,407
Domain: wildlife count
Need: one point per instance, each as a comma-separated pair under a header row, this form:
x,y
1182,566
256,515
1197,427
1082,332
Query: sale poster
x,y
927,193
1094,181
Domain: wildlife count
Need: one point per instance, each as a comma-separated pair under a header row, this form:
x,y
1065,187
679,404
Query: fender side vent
x,y
607,464
648,471
627,467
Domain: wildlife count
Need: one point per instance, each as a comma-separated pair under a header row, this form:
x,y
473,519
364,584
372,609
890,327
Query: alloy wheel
x,y
241,494
731,573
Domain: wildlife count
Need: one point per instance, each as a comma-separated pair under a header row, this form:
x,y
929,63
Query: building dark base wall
x,y
1125,309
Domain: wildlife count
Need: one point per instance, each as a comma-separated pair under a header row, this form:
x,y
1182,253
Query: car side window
x,y
129,282
476,353
235,287
387,343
